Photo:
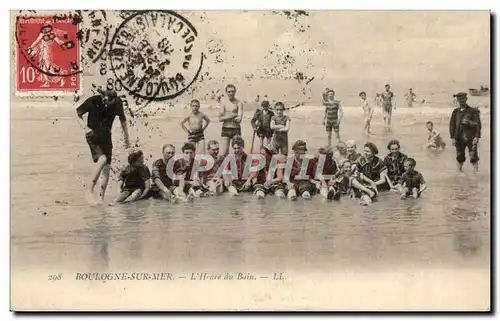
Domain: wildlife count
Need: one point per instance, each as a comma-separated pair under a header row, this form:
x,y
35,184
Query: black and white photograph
x,y
250,160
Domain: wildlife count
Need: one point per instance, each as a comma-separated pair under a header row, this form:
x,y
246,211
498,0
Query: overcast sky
x,y
420,45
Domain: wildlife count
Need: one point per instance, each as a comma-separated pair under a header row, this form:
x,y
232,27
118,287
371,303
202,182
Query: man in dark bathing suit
x,y
101,110
388,103
230,116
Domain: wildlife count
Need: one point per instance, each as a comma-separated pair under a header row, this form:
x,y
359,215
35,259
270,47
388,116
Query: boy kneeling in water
x,y
435,141
349,183
135,179
239,183
191,184
412,182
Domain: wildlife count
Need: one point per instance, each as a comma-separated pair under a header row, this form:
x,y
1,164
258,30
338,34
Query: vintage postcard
x,y
286,160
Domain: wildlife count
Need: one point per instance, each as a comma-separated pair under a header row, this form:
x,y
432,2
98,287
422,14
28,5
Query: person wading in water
x,y
465,131
101,110
388,103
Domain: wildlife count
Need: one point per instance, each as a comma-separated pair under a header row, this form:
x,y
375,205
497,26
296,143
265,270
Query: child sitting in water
x,y
412,182
341,152
434,141
352,154
350,184
135,179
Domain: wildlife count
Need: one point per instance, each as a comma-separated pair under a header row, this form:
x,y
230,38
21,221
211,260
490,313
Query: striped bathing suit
x,y
280,139
196,136
332,115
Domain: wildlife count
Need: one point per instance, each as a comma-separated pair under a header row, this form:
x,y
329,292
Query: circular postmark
x,y
93,35
156,54
52,43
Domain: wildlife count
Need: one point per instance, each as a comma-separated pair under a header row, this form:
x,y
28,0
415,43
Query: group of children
x,y
332,175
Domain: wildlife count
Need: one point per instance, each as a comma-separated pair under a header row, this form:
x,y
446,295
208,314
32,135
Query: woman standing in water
x,y
370,165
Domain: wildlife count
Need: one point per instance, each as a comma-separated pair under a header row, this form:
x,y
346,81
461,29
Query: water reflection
x,y
131,224
100,231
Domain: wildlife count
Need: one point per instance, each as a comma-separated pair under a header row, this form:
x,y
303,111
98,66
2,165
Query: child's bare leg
x,y
122,197
337,135
224,143
280,193
201,146
166,195
362,188
178,192
136,194
329,135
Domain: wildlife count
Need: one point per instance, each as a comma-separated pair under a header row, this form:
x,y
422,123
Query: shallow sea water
x,y
448,228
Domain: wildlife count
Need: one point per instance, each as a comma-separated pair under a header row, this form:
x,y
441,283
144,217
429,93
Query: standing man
x,y
101,110
465,131
410,98
388,102
367,111
230,116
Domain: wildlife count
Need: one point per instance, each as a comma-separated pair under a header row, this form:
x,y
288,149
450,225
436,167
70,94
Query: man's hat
x,y
300,144
460,95
265,103
110,93
325,150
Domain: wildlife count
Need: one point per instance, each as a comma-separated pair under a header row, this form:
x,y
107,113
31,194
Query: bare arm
x,y
160,184
382,177
391,185
435,135
240,112
40,36
82,110
402,188
285,128
147,187
341,112
367,180
274,126
207,122
125,133
183,126
223,117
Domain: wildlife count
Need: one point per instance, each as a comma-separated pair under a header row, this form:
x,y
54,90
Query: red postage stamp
x,y
48,54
